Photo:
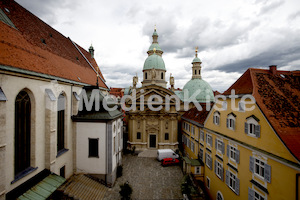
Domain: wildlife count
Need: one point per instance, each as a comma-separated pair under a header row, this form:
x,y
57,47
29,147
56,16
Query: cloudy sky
x,y
232,35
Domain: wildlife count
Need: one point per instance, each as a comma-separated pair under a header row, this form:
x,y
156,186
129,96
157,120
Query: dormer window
x,y
216,118
230,123
252,127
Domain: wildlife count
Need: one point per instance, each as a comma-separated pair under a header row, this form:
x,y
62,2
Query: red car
x,y
169,161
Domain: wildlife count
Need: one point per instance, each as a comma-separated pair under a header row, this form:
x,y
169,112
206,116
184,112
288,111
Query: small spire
x,y
155,27
196,51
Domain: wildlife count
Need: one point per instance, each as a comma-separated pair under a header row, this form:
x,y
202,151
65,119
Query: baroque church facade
x,y
149,128
156,126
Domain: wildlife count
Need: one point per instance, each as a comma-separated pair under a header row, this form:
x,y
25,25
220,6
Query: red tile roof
x,y
277,94
117,92
195,115
35,46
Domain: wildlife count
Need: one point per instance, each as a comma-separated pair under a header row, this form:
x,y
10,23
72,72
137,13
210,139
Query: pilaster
x,y
2,149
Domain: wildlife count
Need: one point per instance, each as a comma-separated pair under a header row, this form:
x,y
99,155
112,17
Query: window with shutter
x,y
251,164
237,156
227,177
246,127
237,186
250,194
268,173
257,130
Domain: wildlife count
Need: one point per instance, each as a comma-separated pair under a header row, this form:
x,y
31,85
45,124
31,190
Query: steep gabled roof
x,y
277,94
35,46
194,115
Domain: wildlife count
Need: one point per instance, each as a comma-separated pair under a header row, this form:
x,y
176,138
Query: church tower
x,y
154,69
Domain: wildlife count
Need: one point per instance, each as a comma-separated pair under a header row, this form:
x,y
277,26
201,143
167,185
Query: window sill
x,y
24,173
93,156
61,152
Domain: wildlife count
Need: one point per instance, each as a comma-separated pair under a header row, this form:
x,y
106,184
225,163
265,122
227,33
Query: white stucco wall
x,y
86,130
11,86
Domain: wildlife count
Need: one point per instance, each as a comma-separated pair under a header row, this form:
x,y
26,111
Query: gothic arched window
x,y
22,132
61,106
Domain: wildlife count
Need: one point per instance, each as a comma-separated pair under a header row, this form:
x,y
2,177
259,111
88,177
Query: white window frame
x,y
232,180
193,130
209,141
251,123
232,152
260,196
197,169
260,165
192,146
202,135
208,160
208,182
219,193
216,118
219,142
231,122
219,169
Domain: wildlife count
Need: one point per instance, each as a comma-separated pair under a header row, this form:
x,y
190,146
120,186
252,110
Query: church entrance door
x,y
152,139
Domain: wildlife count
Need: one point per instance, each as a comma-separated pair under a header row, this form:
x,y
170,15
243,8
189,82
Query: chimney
x,y
273,69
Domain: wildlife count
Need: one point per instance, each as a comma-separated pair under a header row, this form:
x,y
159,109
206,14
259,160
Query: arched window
x,y
162,75
145,75
61,106
195,72
219,196
22,132
230,123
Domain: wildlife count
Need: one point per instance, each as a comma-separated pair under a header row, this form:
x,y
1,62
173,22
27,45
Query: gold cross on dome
x,y
196,48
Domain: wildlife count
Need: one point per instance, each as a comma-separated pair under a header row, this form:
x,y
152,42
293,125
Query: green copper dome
x,y
198,85
154,45
154,61
154,33
196,59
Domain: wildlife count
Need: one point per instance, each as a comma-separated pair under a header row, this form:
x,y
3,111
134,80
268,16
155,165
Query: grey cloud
x,y
271,6
47,9
294,15
279,56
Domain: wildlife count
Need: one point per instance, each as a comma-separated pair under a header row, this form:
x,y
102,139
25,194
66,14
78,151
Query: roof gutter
x,y
87,61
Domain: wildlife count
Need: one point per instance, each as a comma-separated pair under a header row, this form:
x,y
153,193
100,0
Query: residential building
x,y
251,148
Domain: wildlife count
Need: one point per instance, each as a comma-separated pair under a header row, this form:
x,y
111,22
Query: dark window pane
x,y
60,123
93,147
22,132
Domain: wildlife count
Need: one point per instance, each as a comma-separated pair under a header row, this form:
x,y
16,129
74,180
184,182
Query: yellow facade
x,y
267,149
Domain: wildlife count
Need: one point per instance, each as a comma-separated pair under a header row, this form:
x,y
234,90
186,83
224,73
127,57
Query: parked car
x,y
166,153
169,161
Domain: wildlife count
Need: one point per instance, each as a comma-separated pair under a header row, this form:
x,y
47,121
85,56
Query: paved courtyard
x,y
148,179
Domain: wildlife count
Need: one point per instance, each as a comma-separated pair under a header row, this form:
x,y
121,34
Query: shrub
x,y
125,191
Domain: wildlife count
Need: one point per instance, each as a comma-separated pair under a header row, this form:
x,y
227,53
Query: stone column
x,y
50,133
2,149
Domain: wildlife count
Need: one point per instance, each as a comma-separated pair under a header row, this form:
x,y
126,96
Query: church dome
x,y
196,59
154,45
198,85
154,61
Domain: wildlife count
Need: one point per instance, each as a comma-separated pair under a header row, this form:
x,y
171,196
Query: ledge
x,y
61,152
232,167
259,186
219,157
24,173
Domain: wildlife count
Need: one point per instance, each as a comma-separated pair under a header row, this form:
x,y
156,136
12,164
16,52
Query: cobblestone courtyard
x,y
148,179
